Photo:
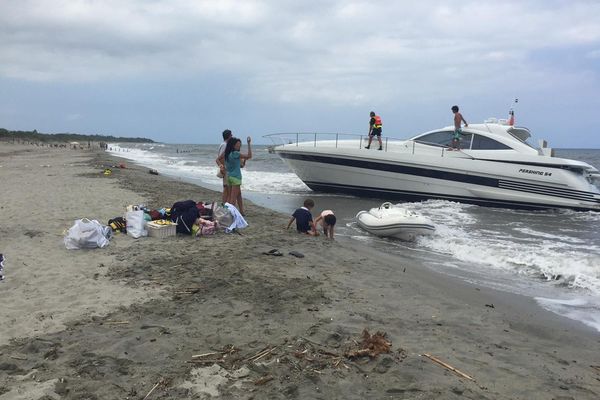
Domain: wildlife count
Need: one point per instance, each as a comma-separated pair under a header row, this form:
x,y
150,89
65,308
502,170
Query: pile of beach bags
x,y
191,218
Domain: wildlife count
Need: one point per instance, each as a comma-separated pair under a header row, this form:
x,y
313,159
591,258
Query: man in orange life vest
x,y
374,129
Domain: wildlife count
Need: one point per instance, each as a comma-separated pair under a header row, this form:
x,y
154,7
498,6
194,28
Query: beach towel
x,y
238,220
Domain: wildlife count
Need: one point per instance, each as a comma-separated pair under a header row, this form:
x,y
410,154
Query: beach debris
x,y
296,254
162,382
267,350
263,380
226,351
107,171
116,322
448,366
2,259
273,252
193,290
206,354
490,305
371,345
152,171
596,368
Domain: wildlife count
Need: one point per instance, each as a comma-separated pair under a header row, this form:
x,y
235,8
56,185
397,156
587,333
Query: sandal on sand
x,y
296,254
273,252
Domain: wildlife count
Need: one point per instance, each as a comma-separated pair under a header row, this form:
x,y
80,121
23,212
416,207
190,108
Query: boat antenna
x,y
511,112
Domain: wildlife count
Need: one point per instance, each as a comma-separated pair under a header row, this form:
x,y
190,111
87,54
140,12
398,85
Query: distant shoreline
x,y
34,136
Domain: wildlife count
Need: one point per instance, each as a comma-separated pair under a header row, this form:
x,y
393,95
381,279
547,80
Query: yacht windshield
x,y
521,140
485,143
444,138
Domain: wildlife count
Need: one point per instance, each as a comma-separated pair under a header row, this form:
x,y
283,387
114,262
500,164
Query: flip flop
x,y
296,254
273,252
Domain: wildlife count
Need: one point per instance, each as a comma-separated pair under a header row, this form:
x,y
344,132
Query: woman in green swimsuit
x,y
233,160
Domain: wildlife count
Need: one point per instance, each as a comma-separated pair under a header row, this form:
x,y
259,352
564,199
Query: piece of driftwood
x,y
261,354
328,353
205,361
371,345
152,390
448,366
116,322
263,380
206,354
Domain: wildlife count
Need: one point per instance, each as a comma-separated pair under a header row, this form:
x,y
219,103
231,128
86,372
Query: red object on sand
x,y
122,165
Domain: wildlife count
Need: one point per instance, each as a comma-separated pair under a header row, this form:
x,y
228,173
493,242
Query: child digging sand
x,y
304,220
327,220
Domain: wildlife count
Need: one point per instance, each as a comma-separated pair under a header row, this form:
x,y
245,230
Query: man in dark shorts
x,y
374,129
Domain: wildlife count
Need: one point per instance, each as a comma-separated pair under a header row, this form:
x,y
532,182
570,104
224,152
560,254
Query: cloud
x,y
342,52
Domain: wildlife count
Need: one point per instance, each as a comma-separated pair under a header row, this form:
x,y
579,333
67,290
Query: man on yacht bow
x,y
458,119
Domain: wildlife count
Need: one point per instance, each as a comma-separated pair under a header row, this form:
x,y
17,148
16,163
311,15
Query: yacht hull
x,y
453,177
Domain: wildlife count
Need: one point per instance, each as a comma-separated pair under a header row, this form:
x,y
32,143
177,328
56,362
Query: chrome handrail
x,y
314,138
294,138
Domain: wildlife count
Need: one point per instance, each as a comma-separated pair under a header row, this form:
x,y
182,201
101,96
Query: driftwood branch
x,y
449,367
152,390
267,350
206,354
263,380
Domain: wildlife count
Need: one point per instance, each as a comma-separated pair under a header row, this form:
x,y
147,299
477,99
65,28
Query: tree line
x,y
35,136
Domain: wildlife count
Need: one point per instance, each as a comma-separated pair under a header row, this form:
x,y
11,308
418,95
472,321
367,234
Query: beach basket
x,y
161,228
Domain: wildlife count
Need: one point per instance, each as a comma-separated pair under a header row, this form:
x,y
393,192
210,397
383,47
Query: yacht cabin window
x,y
485,143
444,138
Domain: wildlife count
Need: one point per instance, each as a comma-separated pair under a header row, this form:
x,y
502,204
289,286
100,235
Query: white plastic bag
x,y
222,215
86,234
136,225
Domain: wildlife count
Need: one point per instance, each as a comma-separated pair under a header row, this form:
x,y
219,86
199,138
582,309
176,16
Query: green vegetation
x,y
35,136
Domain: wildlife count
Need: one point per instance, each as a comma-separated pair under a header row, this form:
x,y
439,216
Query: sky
x,y
182,71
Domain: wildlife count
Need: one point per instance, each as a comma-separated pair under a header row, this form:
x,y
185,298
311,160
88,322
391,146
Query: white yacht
x,y
495,166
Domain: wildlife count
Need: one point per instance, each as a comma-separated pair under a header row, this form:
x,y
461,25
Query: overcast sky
x,y
181,71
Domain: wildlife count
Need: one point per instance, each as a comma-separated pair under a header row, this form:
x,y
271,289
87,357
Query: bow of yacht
x,y
495,166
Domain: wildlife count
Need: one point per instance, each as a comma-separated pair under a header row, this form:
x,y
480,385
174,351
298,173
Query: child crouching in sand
x,y
327,220
304,220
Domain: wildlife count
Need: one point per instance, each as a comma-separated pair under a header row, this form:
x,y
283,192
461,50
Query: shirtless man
x,y
458,119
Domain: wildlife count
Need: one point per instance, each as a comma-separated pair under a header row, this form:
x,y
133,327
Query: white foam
x,y
535,233
586,310
526,252
205,169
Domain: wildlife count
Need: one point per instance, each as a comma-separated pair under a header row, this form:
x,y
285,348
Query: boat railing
x,y
323,139
351,140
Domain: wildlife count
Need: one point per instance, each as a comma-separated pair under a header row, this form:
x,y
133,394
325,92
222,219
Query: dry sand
x,y
117,322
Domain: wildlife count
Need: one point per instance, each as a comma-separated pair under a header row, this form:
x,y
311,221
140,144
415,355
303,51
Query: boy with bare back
x,y
458,119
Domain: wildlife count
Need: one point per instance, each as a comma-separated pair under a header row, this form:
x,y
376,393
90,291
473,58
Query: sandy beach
x,y
187,318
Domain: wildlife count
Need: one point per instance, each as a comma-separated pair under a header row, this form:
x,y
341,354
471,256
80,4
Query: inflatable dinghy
x,y
389,220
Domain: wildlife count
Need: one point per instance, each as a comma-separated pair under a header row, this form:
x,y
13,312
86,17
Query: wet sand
x,y
120,321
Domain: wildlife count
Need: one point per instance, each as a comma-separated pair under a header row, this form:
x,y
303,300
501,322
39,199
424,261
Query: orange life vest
x,y
378,122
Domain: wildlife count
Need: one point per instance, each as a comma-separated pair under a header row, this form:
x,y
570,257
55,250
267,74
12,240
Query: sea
x,y
552,256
